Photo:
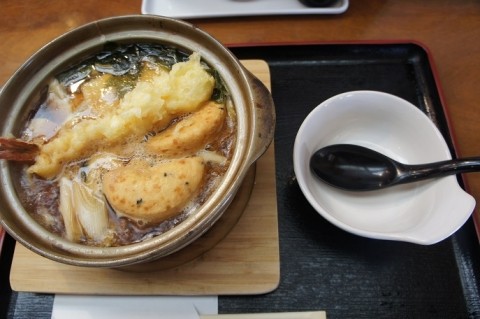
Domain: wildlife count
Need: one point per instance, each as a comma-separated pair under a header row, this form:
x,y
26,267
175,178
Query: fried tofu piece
x,y
190,134
154,193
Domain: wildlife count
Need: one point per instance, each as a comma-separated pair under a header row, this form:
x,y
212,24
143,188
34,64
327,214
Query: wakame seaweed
x,y
220,93
117,59
123,61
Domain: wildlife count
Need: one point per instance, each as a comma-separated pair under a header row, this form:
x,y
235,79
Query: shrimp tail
x,y
16,150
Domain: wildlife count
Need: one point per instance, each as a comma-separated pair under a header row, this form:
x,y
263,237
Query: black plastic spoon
x,y
356,168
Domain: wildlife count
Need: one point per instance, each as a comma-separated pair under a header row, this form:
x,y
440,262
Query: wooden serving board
x,y
239,255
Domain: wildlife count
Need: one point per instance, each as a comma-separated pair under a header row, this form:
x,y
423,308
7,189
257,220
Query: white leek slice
x,y
73,229
212,157
91,212
83,213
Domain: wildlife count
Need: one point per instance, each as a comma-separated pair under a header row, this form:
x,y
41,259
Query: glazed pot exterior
x,y
255,128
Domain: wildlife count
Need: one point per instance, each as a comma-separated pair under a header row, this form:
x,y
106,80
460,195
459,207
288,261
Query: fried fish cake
x,y
190,134
154,193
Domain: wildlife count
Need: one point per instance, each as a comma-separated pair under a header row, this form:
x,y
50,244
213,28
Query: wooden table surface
x,y
449,28
451,31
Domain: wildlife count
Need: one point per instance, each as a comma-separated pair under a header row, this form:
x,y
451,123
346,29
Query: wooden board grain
x,y
244,261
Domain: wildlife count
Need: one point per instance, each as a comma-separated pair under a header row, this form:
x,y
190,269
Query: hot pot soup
x,y
130,142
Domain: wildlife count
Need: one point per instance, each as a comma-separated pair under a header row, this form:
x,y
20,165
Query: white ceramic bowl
x,y
423,212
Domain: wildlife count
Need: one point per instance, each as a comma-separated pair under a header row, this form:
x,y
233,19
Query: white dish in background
x,y
424,212
188,9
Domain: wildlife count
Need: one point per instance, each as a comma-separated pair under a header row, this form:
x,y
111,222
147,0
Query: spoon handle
x,y
440,169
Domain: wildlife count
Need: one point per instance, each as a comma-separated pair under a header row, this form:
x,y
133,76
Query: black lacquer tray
x,y
323,267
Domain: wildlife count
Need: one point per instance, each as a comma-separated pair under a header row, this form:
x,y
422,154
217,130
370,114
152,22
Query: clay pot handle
x,y
264,115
